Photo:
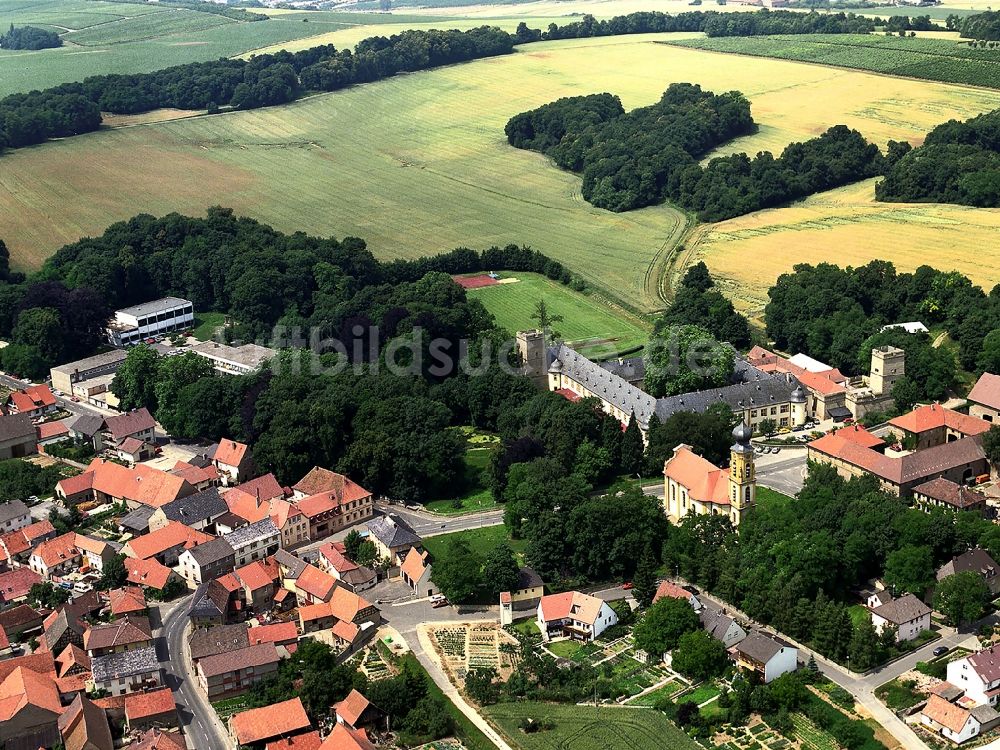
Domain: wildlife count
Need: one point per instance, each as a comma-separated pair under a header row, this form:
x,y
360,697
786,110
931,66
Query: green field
x,y
480,540
768,499
478,497
587,728
206,323
944,60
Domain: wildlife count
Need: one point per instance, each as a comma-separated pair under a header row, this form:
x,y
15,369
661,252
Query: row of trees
x,y
628,160
957,163
836,314
29,37
985,26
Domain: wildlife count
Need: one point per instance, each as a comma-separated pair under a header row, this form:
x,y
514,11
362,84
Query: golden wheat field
x,y
418,164
847,227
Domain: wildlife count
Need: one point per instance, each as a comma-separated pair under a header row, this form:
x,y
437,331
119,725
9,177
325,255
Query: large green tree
x,y
661,628
135,380
699,656
910,569
685,358
962,597
458,573
500,569
172,376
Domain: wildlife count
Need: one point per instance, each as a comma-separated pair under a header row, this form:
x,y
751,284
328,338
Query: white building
x,y
126,671
14,515
907,614
132,325
978,675
954,722
766,655
234,360
579,616
255,541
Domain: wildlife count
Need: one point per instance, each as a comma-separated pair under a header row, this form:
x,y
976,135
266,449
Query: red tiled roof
x,y
307,741
582,607
144,705
195,475
124,632
242,658
15,584
568,394
946,714
126,600
265,487
172,535
4,641
31,398
259,724
48,430
351,708
859,436
414,564
56,551
935,416
148,572
155,739
278,632
671,590
257,575
986,391
72,656
230,452
704,481
140,483
123,425
316,583
320,480
22,687
343,738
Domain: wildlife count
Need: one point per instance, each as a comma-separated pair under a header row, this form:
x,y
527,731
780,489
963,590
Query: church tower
x,y
742,475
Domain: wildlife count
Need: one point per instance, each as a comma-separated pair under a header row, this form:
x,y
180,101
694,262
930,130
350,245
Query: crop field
x,y
583,318
848,227
932,59
149,26
587,728
418,164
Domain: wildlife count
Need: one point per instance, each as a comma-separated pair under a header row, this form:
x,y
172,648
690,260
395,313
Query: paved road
x,y
199,722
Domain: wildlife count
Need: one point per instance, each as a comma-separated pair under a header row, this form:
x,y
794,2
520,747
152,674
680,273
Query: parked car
x,y
691,589
627,586
940,651
775,449
439,600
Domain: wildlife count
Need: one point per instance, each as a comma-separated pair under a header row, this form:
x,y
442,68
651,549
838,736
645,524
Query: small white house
x,y
766,655
978,675
955,723
573,614
907,614
722,627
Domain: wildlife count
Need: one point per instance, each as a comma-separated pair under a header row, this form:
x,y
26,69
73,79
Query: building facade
x,y
132,325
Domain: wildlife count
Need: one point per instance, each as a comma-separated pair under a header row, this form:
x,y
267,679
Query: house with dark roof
x,y
216,603
129,671
393,537
528,590
721,627
198,511
204,642
14,515
977,561
767,655
984,398
207,561
137,424
136,522
127,634
233,672
18,436
944,493
255,541
23,619
907,615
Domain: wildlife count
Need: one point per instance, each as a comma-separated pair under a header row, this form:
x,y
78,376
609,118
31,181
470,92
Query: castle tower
x,y
531,348
742,475
888,366
799,407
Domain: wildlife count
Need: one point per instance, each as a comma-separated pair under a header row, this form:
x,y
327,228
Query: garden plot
x,y
759,736
375,666
466,647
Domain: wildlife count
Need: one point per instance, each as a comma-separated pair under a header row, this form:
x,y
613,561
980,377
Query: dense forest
x,y
29,37
959,162
767,22
628,160
259,277
985,26
836,314
643,157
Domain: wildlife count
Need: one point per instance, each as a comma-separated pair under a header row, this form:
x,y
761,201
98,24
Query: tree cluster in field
x,y
630,160
959,162
981,26
462,574
313,675
908,23
20,480
651,154
29,37
262,81
795,565
835,314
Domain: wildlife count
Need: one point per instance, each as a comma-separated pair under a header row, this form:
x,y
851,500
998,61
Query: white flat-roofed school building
x,y
134,324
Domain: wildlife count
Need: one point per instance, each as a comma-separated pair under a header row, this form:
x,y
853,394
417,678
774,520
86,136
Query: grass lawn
x,y
205,324
858,614
896,695
528,627
811,736
565,649
702,693
654,696
584,318
481,540
768,499
479,496
587,728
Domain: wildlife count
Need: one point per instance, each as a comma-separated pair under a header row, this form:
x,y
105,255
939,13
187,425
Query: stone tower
x,y
742,475
531,348
799,406
888,366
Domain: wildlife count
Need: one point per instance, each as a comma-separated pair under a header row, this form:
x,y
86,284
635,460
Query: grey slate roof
x,y
984,714
751,388
201,506
92,363
87,424
393,531
904,609
17,427
294,564
11,510
975,560
130,663
760,647
252,532
138,520
204,602
210,641
212,551
528,579
715,623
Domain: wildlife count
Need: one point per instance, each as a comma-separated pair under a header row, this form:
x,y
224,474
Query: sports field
x,y
418,164
584,319
587,728
848,227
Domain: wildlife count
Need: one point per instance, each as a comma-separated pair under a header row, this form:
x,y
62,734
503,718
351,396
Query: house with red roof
x,y
155,739
984,398
290,521
344,738
15,585
331,501
109,482
166,544
52,432
933,424
35,401
279,633
260,580
312,585
670,590
262,725
155,708
357,712
575,615
128,600
29,706
233,460
149,573
978,675
349,618
85,726
137,424
16,546
416,572
307,741
333,560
